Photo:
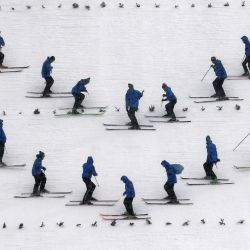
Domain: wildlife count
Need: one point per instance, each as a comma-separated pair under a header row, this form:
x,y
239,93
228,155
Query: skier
x,y
130,194
79,97
172,101
38,174
247,56
2,143
212,159
88,171
221,75
169,185
132,102
2,44
46,74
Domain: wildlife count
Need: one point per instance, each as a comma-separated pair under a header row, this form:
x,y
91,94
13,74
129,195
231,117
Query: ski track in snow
x,y
113,46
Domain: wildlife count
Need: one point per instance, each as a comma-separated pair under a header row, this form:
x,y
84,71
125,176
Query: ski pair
x,y
115,217
12,166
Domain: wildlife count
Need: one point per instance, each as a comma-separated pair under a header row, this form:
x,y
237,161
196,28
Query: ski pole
x,y
97,182
241,141
205,74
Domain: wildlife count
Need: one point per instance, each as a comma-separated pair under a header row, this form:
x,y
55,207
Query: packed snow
x,y
145,46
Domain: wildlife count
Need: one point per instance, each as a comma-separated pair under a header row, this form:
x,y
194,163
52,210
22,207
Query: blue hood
x,y
165,164
90,160
245,40
124,179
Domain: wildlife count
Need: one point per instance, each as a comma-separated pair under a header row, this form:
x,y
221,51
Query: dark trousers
x,y
49,82
169,187
170,109
128,205
208,167
245,63
90,189
78,100
217,83
40,180
131,114
2,145
1,58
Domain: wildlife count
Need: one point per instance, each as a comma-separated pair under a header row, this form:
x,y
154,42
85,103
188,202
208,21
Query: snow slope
x,y
145,46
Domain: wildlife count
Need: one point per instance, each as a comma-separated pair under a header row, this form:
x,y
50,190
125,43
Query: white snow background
x,y
145,46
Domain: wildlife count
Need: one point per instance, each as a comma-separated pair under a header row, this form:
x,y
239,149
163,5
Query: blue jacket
x,y
79,87
211,152
170,172
247,45
46,68
37,167
88,168
3,137
169,94
132,98
2,43
219,70
129,187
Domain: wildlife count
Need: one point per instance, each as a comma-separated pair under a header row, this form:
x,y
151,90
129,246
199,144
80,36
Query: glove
x,y
218,160
142,92
44,168
162,100
212,66
127,109
164,95
124,193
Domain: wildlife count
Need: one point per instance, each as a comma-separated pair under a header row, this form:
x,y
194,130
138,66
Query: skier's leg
x,y
169,187
130,206
37,183
49,83
43,182
215,85
244,65
1,58
91,188
1,151
131,114
221,92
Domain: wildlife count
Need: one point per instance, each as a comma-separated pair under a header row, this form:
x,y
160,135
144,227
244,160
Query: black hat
x,y
40,155
164,85
208,139
130,85
213,58
52,58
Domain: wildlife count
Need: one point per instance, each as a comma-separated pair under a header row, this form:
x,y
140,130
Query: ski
x,y
169,121
219,100
124,125
10,71
215,183
88,107
197,178
48,97
194,97
241,167
51,192
18,67
162,199
40,196
162,116
96,201
90,205
80,114
168,203
142,129
238,78
13,166
120,215
53,93
127,218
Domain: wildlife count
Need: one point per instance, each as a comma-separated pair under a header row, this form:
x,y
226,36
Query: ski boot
x,y
2,164
246,73
129,123
214,181
85,203
173,201
36,194
93,199
173,119
166,115
44,191
214,95
75,112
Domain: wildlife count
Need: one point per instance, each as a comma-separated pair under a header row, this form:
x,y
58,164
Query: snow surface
x,y
145,46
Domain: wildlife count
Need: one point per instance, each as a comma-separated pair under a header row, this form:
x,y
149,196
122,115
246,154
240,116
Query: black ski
x,y
241,167
80,114
20,67
93,204
124,125
96,201
13,166
168,203
120,215
162,199
53,93
202,178
200,97
88,107
10,71
127,218
220,100
40,196
142,129
210,183
48,97
50,192
162,116
169,121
